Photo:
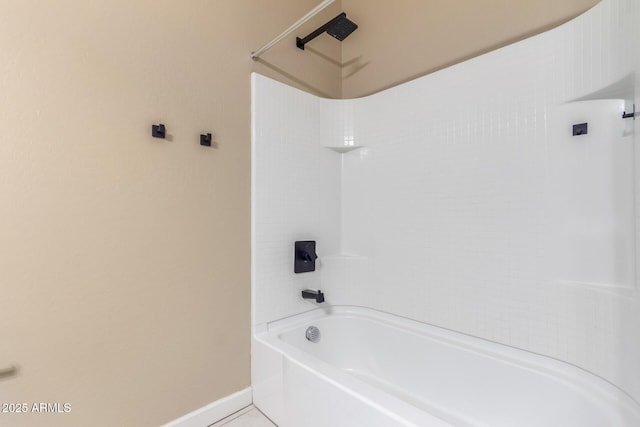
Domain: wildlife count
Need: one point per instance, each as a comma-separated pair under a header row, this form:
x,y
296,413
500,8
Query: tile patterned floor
x,y
248,417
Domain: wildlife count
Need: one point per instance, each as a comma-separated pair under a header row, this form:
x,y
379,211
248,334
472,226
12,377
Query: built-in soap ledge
x,y
344,148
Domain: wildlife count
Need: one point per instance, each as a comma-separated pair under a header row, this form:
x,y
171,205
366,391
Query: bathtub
x,y
374,369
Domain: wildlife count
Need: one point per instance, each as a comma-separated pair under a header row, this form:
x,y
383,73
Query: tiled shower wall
x,y
295,195
468,203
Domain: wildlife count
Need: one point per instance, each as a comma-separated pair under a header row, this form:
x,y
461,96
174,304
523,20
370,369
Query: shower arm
x,y
301,42
255,55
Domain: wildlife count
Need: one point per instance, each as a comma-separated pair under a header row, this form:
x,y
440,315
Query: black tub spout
x,y
318,296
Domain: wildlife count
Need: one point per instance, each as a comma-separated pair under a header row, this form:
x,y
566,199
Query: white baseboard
x,y
215,411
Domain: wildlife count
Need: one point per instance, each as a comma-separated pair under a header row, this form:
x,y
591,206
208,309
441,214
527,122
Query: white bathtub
x,y
374,369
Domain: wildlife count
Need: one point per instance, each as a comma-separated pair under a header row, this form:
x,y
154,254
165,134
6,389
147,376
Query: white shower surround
x,y
468,205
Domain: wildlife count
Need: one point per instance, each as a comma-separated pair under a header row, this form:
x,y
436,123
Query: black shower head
x,y
339,27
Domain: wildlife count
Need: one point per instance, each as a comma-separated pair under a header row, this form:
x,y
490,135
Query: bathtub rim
x,y
576,378
391,406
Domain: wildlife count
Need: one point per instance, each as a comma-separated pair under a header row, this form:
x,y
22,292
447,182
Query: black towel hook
x,y
158,131
205,140
630,115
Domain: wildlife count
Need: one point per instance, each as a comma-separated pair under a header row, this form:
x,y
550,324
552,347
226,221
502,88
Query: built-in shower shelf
x,y
345,148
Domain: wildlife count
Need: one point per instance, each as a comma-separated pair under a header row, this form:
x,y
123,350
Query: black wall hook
x,y
630,115
580,129
205,140
158,131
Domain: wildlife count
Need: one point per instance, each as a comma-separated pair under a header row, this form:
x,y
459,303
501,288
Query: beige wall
x,y
125,260
124,286
400,40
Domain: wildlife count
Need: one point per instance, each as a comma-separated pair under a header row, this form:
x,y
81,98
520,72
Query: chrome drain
x,y
313,334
